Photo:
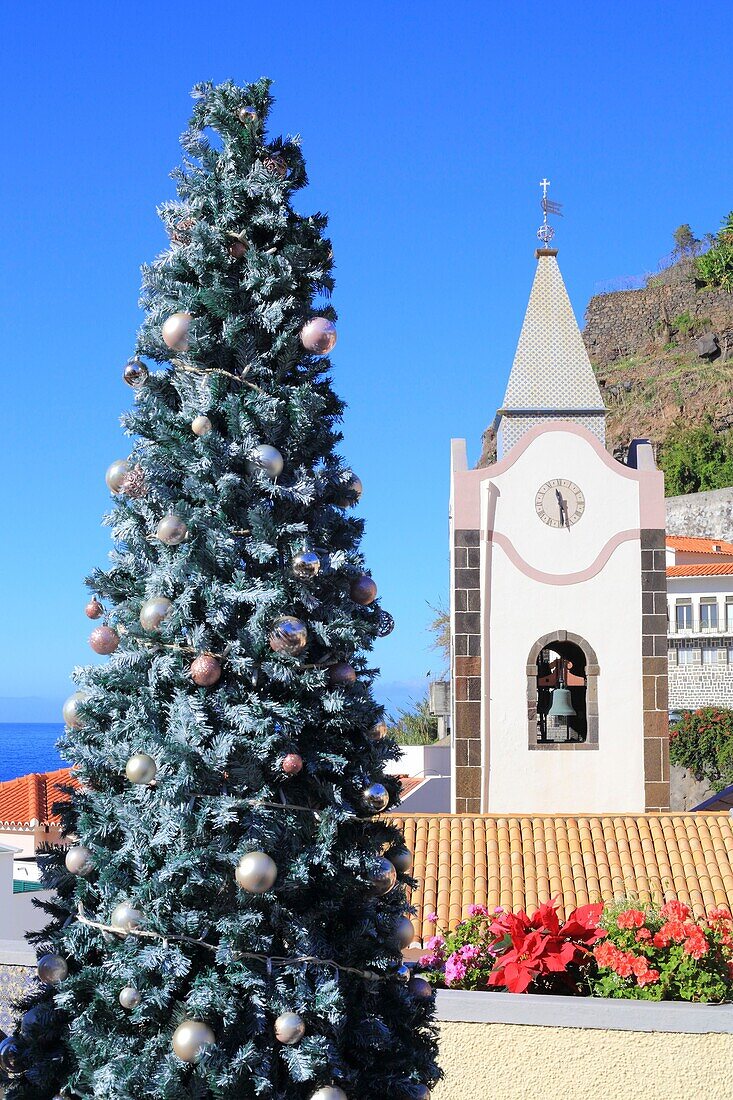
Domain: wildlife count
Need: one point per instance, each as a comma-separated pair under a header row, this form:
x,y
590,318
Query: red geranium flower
x,y
631,918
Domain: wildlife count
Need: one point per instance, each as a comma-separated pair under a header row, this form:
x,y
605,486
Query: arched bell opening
x,y
562,692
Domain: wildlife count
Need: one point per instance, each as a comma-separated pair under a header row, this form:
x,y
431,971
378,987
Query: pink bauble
x,y
363,590
94,609
205,670
104,640
319,336
292,763
341,673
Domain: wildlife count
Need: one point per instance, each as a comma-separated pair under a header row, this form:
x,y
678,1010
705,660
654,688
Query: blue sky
x,y
426,128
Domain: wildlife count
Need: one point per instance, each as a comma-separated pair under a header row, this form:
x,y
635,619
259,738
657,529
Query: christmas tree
x,y
230,916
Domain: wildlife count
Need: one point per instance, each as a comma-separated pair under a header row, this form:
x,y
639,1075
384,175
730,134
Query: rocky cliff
x,y
662,353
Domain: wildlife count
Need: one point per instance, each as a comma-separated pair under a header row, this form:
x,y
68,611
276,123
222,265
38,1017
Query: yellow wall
x,y
517,1062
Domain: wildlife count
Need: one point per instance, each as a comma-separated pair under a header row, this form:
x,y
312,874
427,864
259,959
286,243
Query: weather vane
x,y
549,206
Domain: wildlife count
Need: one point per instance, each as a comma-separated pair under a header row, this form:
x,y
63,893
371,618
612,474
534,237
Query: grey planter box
x,y
587,1012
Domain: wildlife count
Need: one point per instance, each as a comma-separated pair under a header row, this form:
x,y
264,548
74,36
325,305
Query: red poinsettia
x,y
538,946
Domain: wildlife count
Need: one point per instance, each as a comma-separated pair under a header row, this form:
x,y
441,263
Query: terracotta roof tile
x,y
409,783
709,569
30,798
519,861
699,546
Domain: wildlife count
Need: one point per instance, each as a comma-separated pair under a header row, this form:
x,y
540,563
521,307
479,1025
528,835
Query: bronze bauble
x,y
205,670
104,640
363,590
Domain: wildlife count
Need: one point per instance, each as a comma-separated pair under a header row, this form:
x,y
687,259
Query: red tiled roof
x,y
518,861
710,569
699,546
409,783
29,799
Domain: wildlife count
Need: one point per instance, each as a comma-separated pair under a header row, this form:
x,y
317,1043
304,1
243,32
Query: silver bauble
x,y
377,731
141,769
401,858
382,878
201,425
330,1092
350,491
421,989
289,1028
10,1058
175,331
306,564
423,1093
125,917
153,611
171,530
405,932
256,873
247,115
52,969
191,1038
70,712
129,997
363,590
375,798
116,474
341,673
289,635
403,973
268,459
319,335
135,373
78,860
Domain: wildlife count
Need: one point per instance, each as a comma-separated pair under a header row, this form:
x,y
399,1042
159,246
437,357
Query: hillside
x,y
663,356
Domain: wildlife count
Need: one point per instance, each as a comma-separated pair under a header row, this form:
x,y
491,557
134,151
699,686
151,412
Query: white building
x,y
558,594
700,622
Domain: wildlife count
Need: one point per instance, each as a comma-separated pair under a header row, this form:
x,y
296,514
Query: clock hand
x,y
563,509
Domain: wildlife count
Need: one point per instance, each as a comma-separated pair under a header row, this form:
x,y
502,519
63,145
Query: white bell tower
x,y
558,594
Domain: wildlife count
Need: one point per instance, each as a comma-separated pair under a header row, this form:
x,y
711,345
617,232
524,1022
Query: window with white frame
x,y
729,613
709,655
708,613
685,656
683,614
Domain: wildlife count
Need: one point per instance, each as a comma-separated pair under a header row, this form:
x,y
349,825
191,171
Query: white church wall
x,y
525,597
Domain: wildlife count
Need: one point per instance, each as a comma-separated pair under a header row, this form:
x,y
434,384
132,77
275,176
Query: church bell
x,y
561,706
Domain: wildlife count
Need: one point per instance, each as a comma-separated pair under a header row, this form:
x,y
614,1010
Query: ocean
x,y
29,747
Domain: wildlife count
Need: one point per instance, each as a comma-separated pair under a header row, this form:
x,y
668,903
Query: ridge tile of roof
x,y
28,800
707,569
518,861
699,546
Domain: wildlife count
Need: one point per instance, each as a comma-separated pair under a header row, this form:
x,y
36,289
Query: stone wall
x,y
628,322
693,686
709,515
467,671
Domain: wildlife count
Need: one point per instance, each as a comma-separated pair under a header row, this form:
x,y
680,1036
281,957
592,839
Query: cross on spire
x,y
549,206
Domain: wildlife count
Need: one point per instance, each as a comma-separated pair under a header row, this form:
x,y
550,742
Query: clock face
x,y
559,503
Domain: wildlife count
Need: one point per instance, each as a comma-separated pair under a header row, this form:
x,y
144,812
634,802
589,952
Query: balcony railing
x,y
698,628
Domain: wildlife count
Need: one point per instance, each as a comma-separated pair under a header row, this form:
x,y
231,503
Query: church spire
x,y
551,377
